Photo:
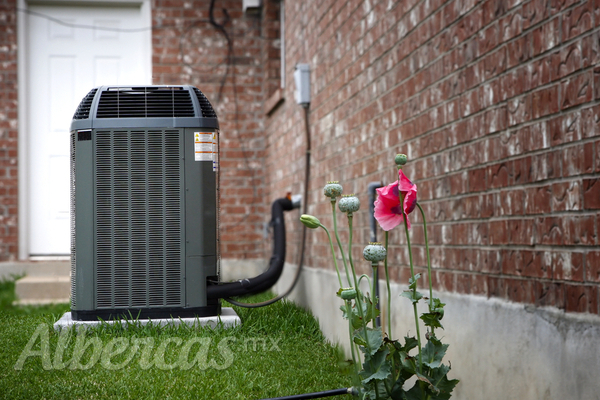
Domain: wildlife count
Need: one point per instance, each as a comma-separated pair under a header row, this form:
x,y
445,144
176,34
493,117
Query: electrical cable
x,y
83,26
182,38
230,55
183,35
231,63
303,238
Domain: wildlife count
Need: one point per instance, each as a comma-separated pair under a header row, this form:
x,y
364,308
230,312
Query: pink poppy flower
x,y
388,211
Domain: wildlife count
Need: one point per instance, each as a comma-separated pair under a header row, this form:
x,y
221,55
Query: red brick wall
x,y
496,103
234,87
271,57
8,131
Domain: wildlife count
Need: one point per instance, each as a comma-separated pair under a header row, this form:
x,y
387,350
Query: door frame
x,y
22,100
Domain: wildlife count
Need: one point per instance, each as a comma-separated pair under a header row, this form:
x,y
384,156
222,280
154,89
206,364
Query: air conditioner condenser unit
x,y
144,203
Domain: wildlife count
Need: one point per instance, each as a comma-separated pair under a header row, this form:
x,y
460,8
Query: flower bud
x,y
333,189
309,221
349,204
374,252
400,159
348,294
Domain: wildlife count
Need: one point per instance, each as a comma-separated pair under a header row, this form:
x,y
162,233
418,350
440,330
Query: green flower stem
x,y
350,249
352,344
333,255
370,285
358,300
339,242
373,295
428,258
412,274
387,282
365,276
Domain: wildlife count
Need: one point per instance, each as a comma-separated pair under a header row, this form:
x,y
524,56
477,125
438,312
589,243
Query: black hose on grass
x,y
317,395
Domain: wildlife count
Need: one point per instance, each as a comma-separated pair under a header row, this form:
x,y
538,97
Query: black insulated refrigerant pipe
x,y
267,279
317,395
373,237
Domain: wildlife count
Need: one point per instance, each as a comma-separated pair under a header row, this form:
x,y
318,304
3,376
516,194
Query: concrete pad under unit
x,y
227,319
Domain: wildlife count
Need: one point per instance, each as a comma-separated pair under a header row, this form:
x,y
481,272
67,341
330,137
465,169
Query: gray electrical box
x,y
302,79
144,203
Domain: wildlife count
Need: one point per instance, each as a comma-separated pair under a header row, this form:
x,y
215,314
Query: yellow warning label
x,y
205,146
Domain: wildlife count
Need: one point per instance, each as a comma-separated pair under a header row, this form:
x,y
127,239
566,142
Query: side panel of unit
x,y
201,212
82,217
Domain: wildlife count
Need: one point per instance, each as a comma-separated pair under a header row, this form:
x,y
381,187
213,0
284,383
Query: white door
x,y
64,61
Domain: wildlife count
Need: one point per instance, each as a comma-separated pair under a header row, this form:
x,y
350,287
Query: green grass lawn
x,y
277,351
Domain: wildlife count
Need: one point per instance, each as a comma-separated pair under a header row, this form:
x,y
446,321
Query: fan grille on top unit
x,y
145,102
83,110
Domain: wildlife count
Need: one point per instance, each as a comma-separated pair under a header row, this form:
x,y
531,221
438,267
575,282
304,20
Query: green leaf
x,y
412,295
437,303
376,367
351,312
442,386
437,307
403,362
344,311
374,337
432,320
412,282
437,386
415,392
409,344
368,392
398,392
370,311
433,352
409,365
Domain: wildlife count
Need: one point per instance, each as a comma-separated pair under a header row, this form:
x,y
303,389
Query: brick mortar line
x,y
387,51
501,275
496,106
542,55
382,37
512,128
534,184
330,8
519,277
516,247
540,248
511,158
507,217
517,157
350,15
